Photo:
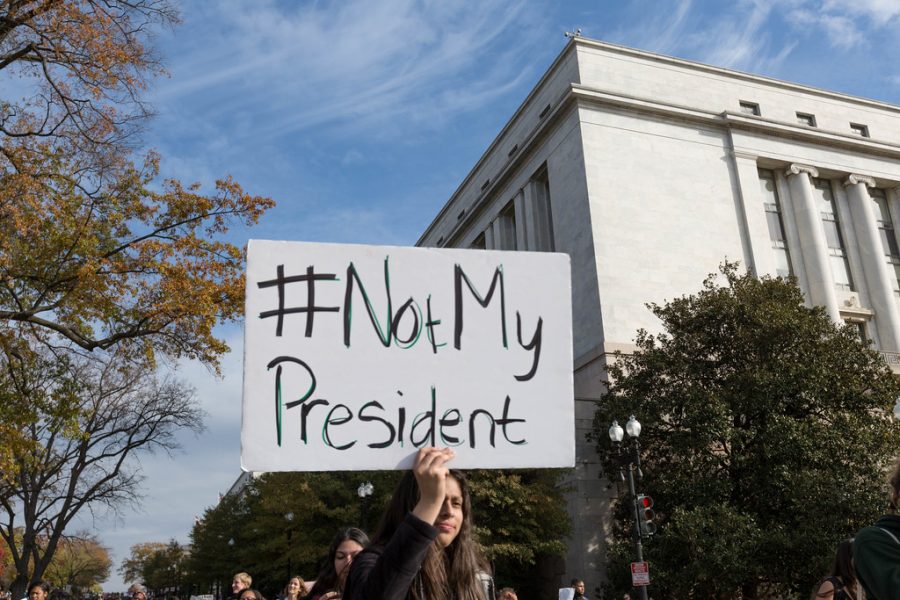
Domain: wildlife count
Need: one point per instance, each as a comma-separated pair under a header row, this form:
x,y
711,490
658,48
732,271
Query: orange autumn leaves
x,y
96,252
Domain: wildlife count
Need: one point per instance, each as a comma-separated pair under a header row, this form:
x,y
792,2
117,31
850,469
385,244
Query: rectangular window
x,y
840,266
888,235
507,228
750,108
860,327
479,243
859,129
772,206
806,119
543,215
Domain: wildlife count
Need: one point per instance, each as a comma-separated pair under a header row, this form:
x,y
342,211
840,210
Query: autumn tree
x,y
95,251
766,430
132,568
80,562
120,409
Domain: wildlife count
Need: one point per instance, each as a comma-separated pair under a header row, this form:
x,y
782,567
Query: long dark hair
x,y
448,573
843,564
842,568
328,578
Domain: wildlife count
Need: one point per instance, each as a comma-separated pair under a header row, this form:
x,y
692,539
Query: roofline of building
x,y
525,103
771,81
625,50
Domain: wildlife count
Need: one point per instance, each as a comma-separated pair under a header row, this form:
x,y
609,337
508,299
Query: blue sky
x,y
360,118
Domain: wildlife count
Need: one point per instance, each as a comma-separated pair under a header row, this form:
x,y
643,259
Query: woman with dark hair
x,y
251,594
840,584
345,545
424,548
38,590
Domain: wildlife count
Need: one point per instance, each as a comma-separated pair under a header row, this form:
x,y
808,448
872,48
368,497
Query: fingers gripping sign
x,y
431,473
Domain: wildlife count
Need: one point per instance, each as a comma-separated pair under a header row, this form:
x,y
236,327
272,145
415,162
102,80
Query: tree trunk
x,y
19,586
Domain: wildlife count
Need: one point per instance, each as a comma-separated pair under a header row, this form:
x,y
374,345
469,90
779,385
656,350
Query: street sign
x,y
640,574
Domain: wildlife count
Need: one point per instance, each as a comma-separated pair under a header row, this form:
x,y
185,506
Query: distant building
x,y
649,171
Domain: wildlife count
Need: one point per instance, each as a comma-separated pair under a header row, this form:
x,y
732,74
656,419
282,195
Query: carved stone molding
x,y
853,179
796,169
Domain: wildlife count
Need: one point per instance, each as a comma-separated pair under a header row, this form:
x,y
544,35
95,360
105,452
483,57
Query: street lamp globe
x,y
365,489
289,516
633,427
615,432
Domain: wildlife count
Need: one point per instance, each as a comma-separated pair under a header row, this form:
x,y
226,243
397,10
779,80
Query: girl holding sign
x,y
424,548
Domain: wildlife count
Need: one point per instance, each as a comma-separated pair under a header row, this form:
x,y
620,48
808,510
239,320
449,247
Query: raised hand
x,y
431,472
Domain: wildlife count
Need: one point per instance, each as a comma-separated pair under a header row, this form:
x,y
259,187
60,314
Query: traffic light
x,y
645,515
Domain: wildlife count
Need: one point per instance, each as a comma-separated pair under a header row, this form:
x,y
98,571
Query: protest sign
x,y
355,356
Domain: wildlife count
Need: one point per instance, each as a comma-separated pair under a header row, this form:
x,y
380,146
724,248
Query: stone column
x,y
813,245
881,292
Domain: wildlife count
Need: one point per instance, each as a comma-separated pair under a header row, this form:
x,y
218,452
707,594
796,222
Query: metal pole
x,y
642,589
290,574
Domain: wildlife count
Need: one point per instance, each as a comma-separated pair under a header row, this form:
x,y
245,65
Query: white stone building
x,y
649,171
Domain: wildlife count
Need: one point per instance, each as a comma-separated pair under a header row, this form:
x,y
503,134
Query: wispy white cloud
x,y
357,64
845,23
739,40
879,12
842,31
735,36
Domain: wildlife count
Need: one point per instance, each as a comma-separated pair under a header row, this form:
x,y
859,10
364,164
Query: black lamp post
x,y
289,517
628,459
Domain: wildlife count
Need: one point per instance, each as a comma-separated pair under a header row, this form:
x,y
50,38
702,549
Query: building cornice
x,y
740,121
734,74
451,205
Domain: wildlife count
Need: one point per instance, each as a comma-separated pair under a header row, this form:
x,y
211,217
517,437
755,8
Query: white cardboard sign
x,y
355,356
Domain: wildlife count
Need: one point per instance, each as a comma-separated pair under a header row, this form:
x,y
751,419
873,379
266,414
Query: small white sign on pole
x,y
640,574
356,356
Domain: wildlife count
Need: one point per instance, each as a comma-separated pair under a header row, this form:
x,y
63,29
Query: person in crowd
x,y
840,583
578,586
295,589
876,549
239,583
137,592
424,548
38,590
507,593
345,545
250,594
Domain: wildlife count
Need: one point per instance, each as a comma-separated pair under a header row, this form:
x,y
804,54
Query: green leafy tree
x,y
521,523
766,431
164,571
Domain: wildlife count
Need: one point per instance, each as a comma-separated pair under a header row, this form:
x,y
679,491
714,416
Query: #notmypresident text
x,y
355,356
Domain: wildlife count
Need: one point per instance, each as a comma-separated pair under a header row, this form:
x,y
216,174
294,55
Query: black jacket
x,y
876,558
388,572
